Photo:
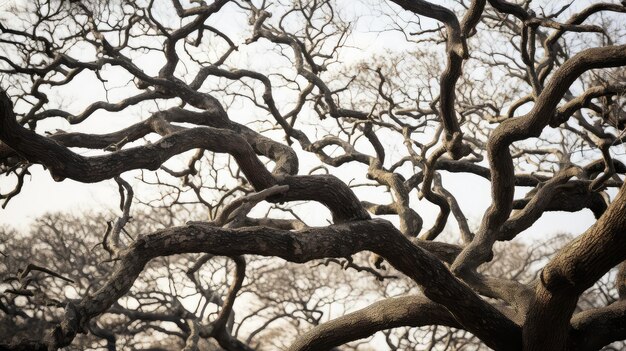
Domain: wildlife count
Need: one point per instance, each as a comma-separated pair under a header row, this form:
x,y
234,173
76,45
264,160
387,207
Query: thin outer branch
x,y
229,302
241,206
456,52
564,112
194,336
113,236
466,233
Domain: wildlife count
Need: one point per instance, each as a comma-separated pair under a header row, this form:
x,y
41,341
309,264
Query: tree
x,y
528,96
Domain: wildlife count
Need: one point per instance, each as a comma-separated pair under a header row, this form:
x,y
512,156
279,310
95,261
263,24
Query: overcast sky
x,y
41,194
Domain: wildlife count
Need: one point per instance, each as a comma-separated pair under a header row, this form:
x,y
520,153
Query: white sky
x,y
41,194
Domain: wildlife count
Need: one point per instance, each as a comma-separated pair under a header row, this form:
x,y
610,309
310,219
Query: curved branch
x,y
593,329
564,112
438,284
456,52
574,269
63,163
412,311
515,129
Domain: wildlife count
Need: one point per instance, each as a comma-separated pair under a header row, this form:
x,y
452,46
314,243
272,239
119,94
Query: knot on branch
x,y
557,119
74,322
556,281
455,147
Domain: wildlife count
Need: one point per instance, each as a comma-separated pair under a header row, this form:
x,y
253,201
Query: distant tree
x,y
223,105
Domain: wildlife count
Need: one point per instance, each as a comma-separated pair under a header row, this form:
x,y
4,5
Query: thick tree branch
x,y
379,236
575,268
414,311
515,129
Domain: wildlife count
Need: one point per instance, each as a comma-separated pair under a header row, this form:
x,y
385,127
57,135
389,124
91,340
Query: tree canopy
x,y
339,136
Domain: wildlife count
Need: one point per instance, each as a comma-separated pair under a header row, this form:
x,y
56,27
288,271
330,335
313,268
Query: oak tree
x,y
220,106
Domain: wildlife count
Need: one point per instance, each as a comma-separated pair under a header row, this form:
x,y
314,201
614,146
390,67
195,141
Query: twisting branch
x,y
240,207
437,283
457,51
511,130
381,123
111,241
415,311
574,269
